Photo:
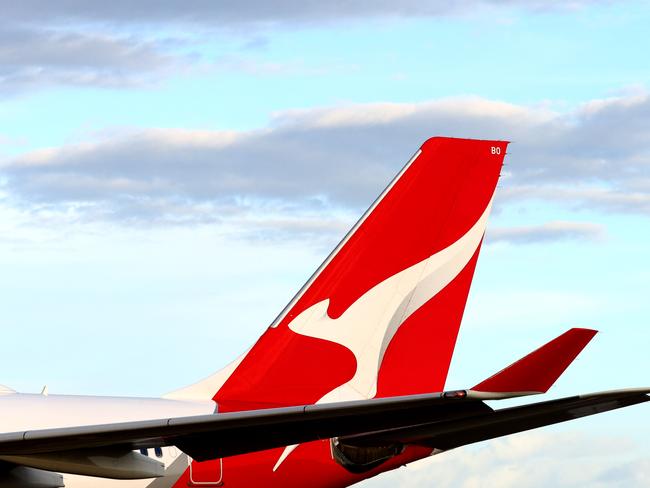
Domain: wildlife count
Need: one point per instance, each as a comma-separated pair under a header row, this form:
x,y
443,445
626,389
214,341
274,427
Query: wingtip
x,y
584,330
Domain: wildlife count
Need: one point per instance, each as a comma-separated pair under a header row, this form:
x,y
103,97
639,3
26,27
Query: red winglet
x,y
537,372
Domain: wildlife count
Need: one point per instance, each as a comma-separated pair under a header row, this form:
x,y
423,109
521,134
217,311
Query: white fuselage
x,y
24,412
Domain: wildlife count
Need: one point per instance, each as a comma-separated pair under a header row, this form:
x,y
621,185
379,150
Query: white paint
x,y
285,454
22,412
175,466
367,327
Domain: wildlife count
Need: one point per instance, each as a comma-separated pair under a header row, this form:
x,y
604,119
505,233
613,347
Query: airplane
x,y
346,383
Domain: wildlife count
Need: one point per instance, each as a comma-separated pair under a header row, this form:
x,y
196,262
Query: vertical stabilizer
x,y
381,315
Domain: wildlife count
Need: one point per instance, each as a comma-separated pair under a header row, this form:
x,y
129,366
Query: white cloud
x,y
308,165
81,43
532,459
550,231
34,58
221,13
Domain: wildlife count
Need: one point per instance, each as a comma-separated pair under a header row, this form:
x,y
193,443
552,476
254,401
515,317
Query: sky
x,y
172,172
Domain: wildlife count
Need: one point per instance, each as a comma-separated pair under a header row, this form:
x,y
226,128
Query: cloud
x,y
532,459
550,231
344,154
36,58
636,473
83,43
624,198
224,13
314,163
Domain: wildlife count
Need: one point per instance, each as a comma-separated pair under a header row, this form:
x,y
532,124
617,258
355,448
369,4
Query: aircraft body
x,y
346,383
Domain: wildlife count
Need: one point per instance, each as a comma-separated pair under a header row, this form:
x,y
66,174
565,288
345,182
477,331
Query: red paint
x,y
418,358
311,465
434,203
541,368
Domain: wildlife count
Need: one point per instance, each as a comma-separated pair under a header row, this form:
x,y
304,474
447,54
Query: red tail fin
x,y
380,317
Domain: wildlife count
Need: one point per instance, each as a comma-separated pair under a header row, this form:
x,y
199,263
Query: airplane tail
x,y
381,315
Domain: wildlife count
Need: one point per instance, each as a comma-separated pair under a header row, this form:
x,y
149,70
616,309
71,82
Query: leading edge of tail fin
x,y
538,371
381,315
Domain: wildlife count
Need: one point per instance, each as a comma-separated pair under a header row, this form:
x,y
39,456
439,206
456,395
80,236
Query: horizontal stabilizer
x,y
536,372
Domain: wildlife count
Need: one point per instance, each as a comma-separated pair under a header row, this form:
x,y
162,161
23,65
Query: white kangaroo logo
x,y
367,327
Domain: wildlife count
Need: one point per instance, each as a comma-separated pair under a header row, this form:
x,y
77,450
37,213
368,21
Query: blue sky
x,y
170,177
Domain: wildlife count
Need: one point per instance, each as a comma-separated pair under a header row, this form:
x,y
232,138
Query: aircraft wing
x,y
439,420
225,434
443,420
448,434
